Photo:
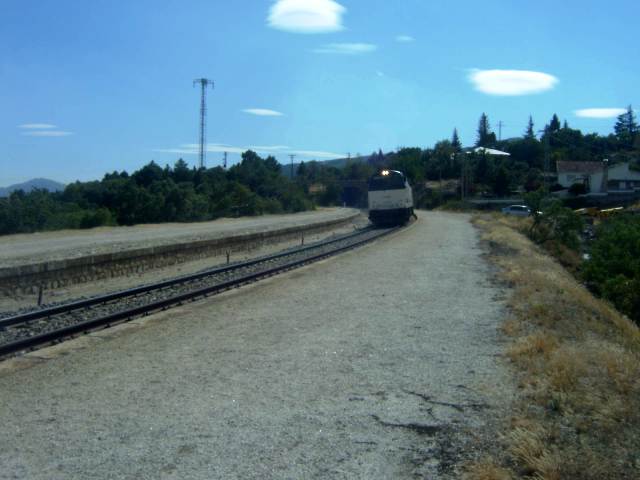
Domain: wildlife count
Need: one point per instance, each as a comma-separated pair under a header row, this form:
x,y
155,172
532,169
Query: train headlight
x,y
385,172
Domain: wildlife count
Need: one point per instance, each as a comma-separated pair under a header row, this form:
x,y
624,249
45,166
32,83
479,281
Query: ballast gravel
x,y
380,363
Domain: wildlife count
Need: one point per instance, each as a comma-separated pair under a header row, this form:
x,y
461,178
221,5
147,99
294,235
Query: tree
x,y
486,137
613,269
554,125
455,141
148,174
181,172
552,221
626,128
529,133
501,182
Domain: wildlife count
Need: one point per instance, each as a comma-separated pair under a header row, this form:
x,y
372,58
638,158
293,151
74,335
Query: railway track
x,y
27,331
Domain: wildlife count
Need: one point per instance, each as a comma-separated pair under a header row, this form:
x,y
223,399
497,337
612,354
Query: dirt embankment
x,y
577,361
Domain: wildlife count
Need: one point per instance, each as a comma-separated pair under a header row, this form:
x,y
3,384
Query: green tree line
x,y
256,185
498,175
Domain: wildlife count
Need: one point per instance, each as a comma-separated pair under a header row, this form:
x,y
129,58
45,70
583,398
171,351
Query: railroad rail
x,y
27,331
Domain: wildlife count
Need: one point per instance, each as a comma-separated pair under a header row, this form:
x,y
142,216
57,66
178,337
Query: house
x,y
621,179
488,151
570,172
599,177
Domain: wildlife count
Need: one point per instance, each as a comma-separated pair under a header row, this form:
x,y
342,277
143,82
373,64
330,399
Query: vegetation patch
x,y
577,363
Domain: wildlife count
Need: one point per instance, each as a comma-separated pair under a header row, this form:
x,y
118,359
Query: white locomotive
x,y
390,198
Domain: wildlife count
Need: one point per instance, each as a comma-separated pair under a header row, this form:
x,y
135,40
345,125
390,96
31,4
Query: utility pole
x,y
204,83
547,160
500,124
224,162
291,156
462,179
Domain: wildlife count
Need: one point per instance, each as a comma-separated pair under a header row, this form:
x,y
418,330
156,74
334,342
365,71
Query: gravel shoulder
x,y
30,248
381,363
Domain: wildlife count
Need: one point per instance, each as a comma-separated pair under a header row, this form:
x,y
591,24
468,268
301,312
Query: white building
x,y
599,177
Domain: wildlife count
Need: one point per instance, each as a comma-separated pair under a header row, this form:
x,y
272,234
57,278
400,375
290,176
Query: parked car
x,y
518,210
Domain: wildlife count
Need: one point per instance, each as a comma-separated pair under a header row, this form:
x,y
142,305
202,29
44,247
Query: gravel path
x,y
46,246
381,363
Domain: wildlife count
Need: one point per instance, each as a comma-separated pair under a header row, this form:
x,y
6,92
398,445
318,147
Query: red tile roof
x,y
578,167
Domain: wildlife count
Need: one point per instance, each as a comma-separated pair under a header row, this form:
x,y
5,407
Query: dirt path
x,y
381,363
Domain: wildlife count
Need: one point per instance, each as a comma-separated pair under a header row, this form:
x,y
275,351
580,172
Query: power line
x,y
204,82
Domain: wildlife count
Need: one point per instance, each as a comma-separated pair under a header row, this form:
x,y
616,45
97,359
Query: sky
x,y
92,87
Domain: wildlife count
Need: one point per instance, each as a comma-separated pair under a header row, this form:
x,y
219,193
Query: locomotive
x,y
390,198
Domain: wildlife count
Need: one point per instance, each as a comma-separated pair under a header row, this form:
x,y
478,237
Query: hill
x,y
336,163
35,183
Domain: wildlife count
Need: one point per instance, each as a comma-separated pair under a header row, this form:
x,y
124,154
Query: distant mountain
x,y
41,183
337,163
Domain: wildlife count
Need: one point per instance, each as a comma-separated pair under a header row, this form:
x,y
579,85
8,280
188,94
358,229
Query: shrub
x,y
613,269
578,189
552,221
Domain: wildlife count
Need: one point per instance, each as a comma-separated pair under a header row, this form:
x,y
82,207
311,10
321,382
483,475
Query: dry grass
x,y
578,366
488,470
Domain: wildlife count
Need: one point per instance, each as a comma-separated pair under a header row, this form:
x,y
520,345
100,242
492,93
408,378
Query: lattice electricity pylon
x,y
204,82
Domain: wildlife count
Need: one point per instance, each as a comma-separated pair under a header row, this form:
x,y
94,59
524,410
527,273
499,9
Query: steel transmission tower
x,y
204,83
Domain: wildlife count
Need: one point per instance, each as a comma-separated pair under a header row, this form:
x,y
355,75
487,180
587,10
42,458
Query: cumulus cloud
x,y
46,133
599,112
36,126
347,48
511,82
263,112
193,149
404,38
306,16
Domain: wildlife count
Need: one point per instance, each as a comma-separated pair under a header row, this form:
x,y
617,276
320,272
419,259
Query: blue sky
x,y
90,87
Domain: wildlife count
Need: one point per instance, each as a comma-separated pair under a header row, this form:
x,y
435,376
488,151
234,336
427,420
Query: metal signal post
x,y
204,83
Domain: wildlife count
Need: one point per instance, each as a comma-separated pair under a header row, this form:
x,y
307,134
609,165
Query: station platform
x,y
54,261
25,249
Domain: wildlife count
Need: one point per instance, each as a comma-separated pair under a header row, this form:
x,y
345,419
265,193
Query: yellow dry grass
x,y
577,361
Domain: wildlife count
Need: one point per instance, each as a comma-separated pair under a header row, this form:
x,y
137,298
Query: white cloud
x,y
269,148
263,112
47,133
36,126
404,38
317,154
511,82
281,150
347,48
306,16
599,112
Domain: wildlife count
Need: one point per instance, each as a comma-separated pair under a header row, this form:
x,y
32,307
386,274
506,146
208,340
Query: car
x,y
517,210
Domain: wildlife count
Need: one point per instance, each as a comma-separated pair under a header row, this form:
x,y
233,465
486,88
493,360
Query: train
x,y
390,198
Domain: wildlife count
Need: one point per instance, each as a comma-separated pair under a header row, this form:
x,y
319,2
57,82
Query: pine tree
x,y
455,141
626,128
529,132
554,125
486,137
565,125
